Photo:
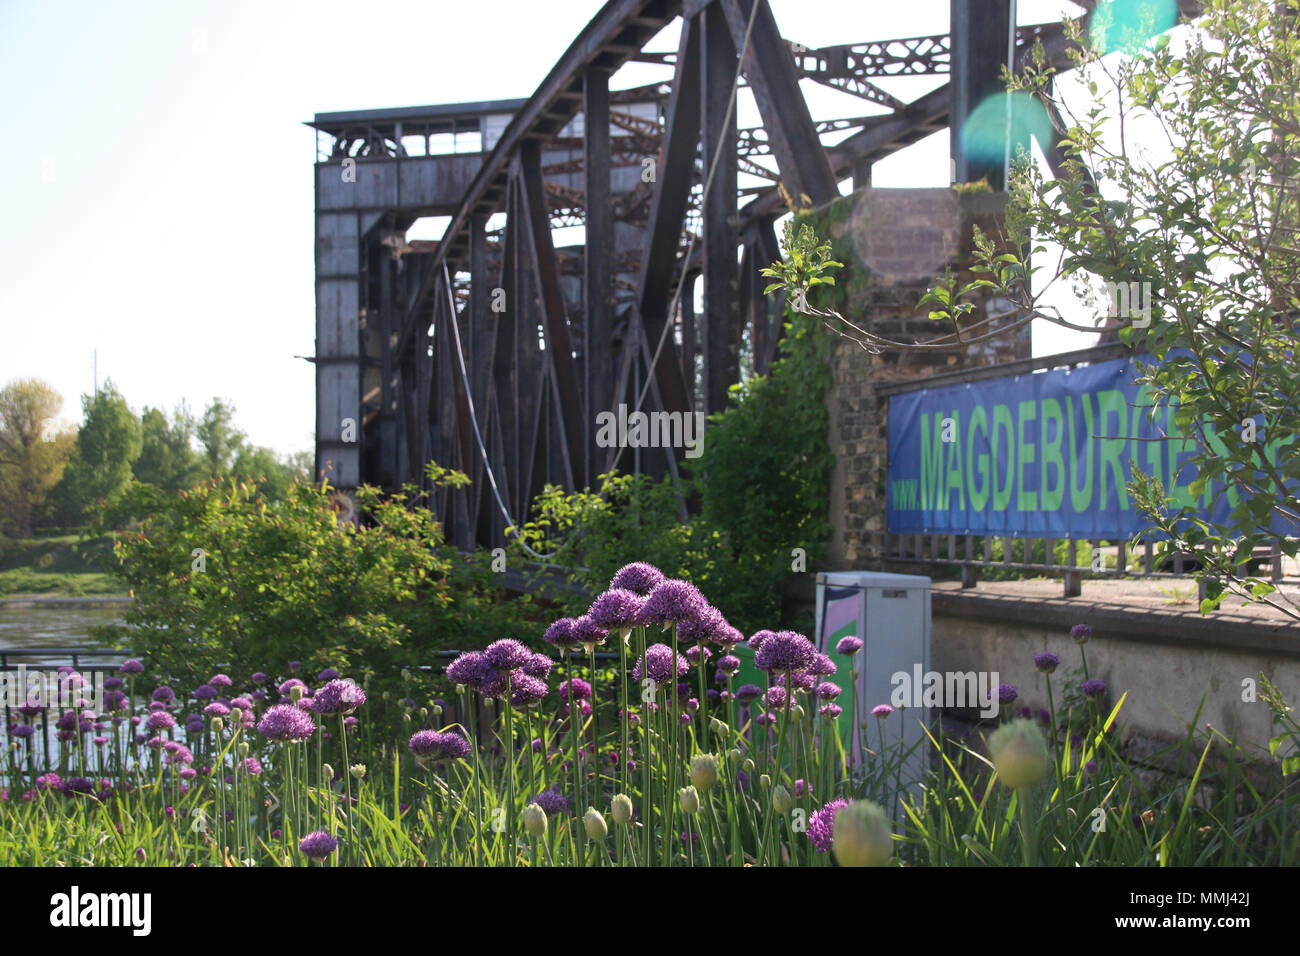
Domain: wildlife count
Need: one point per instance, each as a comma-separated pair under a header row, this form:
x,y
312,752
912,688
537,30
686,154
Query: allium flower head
x,y
618,609
328,673
861,835
160,720
729,665
1080,633
205,692
776,698
658,664
436,745
507,654
526,690
828,691
220,680
822,666
638,577
580,689
588,633
539,665
164,694
318,845
785,651
560,634
472,670
216,710
1047,662
830,711
748,692
552,801
848,645
757,639
882,711
1096,687
284,722
704,772
672,602
707,625
337,698
131,666
259,678
1019,754
533,817
822,823
1007,693
287,687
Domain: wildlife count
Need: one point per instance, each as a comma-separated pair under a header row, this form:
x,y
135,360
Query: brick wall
x,y
901,240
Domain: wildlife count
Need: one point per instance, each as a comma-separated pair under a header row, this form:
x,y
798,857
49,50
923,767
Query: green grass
x,y
64,565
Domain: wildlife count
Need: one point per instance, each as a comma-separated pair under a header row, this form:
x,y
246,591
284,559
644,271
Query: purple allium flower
x,y
180,755
157,705
672,602
205,692
30,709
284,722
800,681
638,577
693,653
800,787
1080,633
337,698
216,710
160,720
848,645
729,637
99,741
828,691
539,665
775,698
748,692
830,711
328,673
584,708
785,651
259,678
435,745
220,680
821,666
1007,693
22,730
763,719
757,639
1025,713
112,683
560,634
506,654
194,724
472,670
258,694
115,700
526,690
1091,768
588,633
164,694
882,711
616,610
350,722
131,666
318,845
821,825
286,689
552,801
252,766
659,665
1047,662
295,665
243,703
1044,716
581,689
729,664
1093,688
707,625
78,785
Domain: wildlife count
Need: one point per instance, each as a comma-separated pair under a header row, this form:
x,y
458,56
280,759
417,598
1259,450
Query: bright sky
x,y
156,204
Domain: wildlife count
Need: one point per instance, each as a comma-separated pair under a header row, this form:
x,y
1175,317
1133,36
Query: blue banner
x,y
1038,455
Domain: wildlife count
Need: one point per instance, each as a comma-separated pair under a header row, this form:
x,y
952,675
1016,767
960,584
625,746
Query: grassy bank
x,y
57,566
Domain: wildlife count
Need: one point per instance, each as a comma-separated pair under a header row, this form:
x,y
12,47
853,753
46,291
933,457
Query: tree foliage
x,y
32,454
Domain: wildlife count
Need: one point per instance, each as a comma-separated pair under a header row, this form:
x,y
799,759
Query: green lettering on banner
x,y
1050,497
932,488
1080,498
1181,494
1002,495
954,470
1111,450
978,498
1025,500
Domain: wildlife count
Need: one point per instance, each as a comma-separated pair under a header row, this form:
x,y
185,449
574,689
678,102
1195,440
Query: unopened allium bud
x,y
386,695
782,802
704,771
734,755
1019,753
534,820
358,771
595,825
436,710
797,712
717,726
406,674
406,718
748,765
296,692
326,772
764,781
241,748
424,713
489,702
236,714
861,835
689,800
620,808
218,725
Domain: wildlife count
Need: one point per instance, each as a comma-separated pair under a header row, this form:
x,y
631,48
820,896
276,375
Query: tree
x,y
32,455
167,457
108,444
1203,209
220,439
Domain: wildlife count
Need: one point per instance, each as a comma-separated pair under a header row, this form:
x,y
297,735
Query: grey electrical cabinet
x,y
890,614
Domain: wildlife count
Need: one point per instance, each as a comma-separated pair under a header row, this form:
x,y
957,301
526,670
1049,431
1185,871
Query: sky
x,y
156,207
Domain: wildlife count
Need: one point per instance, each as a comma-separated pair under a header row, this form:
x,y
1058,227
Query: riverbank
x,y
65,566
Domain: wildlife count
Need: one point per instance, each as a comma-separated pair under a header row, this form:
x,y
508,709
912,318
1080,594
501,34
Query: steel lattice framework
x,y
549,336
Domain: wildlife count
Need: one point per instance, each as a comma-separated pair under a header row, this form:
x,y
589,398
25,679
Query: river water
x,y
53,626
